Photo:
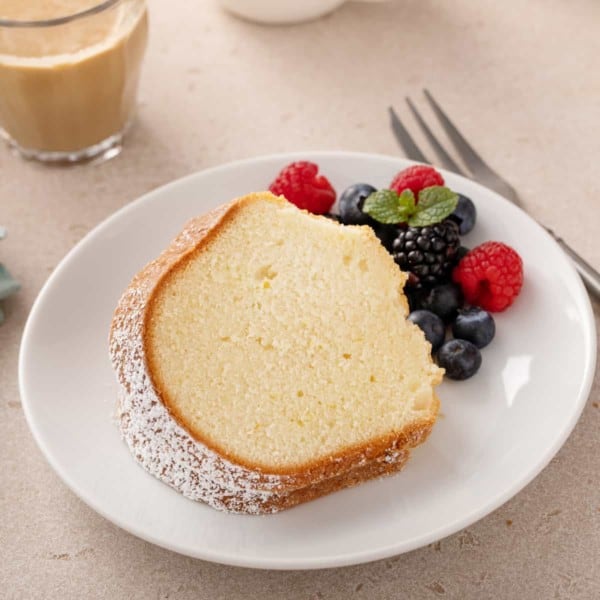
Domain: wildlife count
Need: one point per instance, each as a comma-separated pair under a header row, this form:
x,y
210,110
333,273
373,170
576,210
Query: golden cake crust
x,y
168,447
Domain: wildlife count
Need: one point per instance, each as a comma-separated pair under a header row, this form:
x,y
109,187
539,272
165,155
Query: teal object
x,y
8,284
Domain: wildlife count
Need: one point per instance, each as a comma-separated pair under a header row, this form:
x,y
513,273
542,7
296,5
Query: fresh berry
x,y
443,300
428,254
333,217
416,178
491,276
414,297
386,234
301,184
431,325
474,325
460,358
351,203
465,214
461,253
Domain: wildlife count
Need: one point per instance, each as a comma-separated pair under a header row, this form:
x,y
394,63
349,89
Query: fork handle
x,y
591,277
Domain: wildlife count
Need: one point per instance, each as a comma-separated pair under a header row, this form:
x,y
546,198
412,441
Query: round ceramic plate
x,y
496,432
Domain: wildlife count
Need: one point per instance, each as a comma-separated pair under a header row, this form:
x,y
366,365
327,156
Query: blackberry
x,y
428,254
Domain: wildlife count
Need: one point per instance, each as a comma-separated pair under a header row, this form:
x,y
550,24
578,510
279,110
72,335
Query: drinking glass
x,y
69,72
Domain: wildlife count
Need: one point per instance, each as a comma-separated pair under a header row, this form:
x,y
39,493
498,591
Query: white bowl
x,y
279,12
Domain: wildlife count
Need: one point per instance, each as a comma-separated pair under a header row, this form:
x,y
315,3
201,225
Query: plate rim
x,y
307,563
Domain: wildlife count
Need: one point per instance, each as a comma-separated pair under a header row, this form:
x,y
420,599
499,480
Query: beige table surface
x,y
522,79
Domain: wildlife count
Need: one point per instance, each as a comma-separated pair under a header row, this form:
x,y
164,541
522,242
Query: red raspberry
x,y
491,276
300,183
416,178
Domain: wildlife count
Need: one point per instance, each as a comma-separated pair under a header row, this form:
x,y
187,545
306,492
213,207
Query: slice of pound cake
x,y
265,359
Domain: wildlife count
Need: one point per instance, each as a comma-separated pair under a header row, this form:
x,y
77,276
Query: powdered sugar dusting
x,y
161,445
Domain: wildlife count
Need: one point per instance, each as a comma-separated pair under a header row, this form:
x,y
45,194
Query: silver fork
x,y
478,170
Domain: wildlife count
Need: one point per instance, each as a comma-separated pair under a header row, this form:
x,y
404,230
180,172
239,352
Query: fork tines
x,y
476,167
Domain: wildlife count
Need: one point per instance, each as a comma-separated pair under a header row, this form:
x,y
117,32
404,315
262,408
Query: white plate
x,y
497,432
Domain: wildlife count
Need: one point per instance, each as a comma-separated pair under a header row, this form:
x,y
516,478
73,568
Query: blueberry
x,y
474,325
461,253
351,203
443,300
433,327
460,358
464,214
414,297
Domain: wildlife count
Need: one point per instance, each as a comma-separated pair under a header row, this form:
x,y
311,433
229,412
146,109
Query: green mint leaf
x,y
435,204
407,199
386,206
430,196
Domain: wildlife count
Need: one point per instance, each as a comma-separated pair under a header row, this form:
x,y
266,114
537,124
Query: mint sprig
x,y
386,206
435,204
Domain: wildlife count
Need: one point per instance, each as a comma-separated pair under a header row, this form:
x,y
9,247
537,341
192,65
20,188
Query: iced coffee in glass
x,y
69,73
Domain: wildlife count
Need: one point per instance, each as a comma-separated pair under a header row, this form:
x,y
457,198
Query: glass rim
x,y
59,20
